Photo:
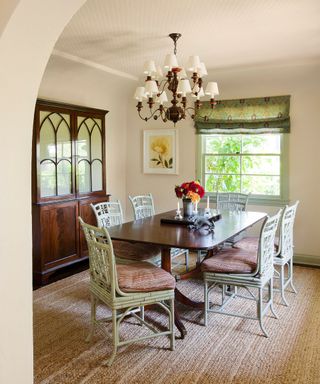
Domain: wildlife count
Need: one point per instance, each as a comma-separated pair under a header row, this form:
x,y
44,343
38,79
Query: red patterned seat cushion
x,y
248,243
143,277
231,260
252,243
136,251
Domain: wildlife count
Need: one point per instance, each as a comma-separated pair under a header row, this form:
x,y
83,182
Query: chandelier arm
x,y
163,115
165,82
152,115
143,118
188,109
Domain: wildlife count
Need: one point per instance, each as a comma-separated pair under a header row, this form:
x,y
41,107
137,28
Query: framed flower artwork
x,y
160,151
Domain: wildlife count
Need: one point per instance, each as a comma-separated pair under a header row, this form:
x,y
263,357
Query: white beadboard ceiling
x,y
120,35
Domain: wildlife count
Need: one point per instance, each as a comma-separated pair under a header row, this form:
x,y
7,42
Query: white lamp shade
x,y
162,98
212,89
183,74
159,73
202,70
170,61
149,67
151,88
140,93
184,87
193,63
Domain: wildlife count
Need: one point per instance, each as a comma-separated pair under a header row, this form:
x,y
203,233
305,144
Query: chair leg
x,y
260,312
271,298
114,337
171,325
93,317
282,285
187,260
206,303
198,262
291,275
142,314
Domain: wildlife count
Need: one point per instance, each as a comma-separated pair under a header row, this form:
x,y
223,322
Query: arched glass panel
x,y
83,175
63,141
64,177
89,122
57,118
47,179
96,176
47,140
83,143
96,144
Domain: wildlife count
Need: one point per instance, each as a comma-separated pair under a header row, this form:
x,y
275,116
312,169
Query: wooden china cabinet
x,y
68,174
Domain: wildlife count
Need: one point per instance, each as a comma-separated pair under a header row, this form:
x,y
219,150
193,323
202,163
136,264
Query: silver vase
x,y
187,207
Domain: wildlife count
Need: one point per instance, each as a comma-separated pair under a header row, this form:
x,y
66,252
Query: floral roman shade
x,y
255,115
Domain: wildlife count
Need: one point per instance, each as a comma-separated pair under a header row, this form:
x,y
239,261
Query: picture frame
x,y
160,151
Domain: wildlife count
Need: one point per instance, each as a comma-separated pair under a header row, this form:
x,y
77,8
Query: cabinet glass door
x,y
89,155
55,170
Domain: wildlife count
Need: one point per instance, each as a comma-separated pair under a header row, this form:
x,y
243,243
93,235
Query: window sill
x,y
255,200
276,202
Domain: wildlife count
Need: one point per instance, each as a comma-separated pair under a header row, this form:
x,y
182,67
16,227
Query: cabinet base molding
x,y
43,278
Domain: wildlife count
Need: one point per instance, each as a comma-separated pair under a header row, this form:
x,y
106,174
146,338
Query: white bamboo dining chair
x,y
284,246
125,288
232,201
236,267
143,206
284,254
108,214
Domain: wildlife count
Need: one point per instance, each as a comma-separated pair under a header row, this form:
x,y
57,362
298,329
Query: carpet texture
x,y
229,350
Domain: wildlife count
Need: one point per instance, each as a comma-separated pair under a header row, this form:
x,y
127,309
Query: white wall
x,y
302,82
75,83
25,46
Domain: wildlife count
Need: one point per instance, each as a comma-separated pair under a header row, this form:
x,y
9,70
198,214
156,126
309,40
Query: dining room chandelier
x,y
175,80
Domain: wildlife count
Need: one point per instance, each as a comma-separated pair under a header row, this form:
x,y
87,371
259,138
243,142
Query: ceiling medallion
x,y
175,81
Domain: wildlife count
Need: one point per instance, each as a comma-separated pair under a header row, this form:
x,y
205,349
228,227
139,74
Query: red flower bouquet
x,y
191,190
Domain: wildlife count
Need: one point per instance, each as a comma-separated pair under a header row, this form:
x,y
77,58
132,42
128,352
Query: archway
x,y
29,29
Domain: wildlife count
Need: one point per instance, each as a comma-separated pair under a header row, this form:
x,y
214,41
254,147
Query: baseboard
x,y
311,260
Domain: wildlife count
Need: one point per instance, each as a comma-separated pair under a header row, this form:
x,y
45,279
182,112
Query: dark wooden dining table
x,y
151,231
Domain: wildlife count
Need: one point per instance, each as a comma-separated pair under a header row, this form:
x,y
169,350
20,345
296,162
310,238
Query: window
x,y
244,163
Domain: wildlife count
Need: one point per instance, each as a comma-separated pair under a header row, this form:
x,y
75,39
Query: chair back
x,y
266,245
103,275
232,201
108,213
142,206
286,231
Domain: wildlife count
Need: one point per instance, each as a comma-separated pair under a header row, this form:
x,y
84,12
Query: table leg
x,y
194,273
179,296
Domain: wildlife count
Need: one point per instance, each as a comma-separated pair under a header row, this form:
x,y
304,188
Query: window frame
x,y
279,200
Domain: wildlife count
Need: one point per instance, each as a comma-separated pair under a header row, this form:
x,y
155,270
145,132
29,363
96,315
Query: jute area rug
x,y
229,350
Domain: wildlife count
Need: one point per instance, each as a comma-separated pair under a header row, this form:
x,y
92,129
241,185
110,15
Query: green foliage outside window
x,y
242,163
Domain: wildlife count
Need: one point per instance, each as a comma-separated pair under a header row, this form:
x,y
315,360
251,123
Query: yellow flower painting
x,y
160,151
